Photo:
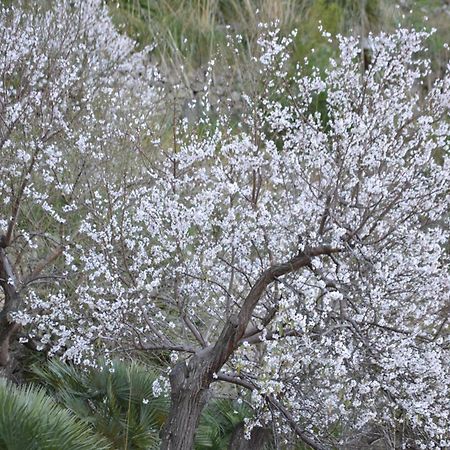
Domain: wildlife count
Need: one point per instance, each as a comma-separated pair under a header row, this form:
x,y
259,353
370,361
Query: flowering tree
x,y
299,255
73,92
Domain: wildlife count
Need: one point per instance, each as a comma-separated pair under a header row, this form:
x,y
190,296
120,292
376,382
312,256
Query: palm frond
x,y
218,422
116,400
30,419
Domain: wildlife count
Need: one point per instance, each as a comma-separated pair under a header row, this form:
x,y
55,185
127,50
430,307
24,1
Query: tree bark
x,y
11,304
13,299
189,394
190,384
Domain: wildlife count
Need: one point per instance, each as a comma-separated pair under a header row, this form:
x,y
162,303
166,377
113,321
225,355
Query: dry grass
x,y
189,32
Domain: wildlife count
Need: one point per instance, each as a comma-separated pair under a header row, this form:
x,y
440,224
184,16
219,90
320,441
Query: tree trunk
x,y
189,394
12,301
190,388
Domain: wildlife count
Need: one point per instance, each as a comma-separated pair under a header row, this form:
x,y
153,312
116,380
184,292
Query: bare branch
x,y
43,264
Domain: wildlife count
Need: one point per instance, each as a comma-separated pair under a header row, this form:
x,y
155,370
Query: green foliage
x,y
309,41
218,422
430,13
29,419
183,30
116,400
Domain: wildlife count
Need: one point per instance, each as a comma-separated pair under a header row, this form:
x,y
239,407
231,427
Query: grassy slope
x,y
189,32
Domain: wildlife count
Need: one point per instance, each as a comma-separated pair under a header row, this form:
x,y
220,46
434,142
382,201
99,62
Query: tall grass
x,y
188,32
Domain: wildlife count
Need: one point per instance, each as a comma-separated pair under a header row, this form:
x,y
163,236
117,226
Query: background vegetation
x,y
190,32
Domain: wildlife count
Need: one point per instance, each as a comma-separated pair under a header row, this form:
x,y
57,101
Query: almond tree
x,y
298,254
73,94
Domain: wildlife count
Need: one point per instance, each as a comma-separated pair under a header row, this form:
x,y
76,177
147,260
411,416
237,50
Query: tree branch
x,y
234,329
194,330
270,399
270,336
43,264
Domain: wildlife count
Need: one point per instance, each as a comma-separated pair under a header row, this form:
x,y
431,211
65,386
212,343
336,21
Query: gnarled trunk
x,y
189,395
190,387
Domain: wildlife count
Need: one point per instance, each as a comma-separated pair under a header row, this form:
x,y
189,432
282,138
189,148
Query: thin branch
x,y
270,336
170,347
194,330
265,321
43,264
17,201
293,423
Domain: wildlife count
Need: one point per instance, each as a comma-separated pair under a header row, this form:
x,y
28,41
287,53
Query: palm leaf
x,y
30,419
111,400
218,422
